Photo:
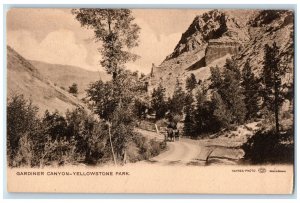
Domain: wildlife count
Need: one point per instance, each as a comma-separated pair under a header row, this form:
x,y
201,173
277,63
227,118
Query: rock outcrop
x,y
266,28
218,34
198,47
211,25
217,49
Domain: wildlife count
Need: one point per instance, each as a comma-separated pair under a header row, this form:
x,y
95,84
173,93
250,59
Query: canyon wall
x,y
217,49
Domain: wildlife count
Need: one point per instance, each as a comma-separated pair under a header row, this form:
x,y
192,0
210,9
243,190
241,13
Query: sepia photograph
x,y
120,100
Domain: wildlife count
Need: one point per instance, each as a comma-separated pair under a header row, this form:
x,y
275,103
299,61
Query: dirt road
x,y
195,152
183,151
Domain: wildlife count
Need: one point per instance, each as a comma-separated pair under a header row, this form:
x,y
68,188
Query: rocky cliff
x,y
219,34
209,39
266,28
217,49
213,24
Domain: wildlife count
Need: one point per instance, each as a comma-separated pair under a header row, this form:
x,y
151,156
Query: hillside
x,y
64,75
220,34
267,28
24,78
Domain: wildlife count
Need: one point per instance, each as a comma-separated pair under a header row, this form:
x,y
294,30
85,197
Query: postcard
x,y
164,101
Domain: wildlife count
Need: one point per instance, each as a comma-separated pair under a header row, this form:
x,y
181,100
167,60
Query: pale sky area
x,y
54,36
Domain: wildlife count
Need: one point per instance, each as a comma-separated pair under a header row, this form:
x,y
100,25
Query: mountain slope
x,y
64,75
24,78
266,28
220,34
196,50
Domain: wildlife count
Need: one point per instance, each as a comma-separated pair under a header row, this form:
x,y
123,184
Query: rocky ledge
x,y
217,49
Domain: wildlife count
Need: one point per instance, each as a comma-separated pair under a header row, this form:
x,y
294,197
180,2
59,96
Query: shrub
x,y
54,139
73,89
148,148
265,17
24,155
268,147
141,143
90,135
72,138
22,125
156,147
158,103
55,125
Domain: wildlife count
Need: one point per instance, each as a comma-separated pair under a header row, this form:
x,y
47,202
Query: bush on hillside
x,y
269,147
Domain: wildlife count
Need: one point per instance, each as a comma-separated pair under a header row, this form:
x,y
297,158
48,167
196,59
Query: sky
x,y
55,36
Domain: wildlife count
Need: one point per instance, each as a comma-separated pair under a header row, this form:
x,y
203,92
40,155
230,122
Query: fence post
x,y
156,129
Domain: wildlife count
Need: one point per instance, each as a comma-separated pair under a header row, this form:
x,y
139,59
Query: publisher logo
x,y
262,170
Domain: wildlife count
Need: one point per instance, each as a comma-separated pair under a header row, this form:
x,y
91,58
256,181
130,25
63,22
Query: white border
x,y
144,2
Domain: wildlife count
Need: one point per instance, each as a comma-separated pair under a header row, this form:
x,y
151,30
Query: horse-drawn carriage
x,y
171,134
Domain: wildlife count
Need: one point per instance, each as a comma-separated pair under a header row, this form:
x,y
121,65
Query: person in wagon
x,y
172,127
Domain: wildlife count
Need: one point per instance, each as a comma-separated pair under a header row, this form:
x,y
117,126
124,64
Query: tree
x,y
117,32
189,120
143,75
191,82
227,85
22,125
221,111
205,120
124,91
124,94
158,102
140,106
216,77
232,94
251,88
272,71
88,135
73,89
54,138
151,73
55,125
233,66
103,98
122,129
175,104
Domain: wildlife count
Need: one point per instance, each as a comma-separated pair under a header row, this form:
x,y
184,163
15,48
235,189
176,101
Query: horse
x,y
170,134
176,134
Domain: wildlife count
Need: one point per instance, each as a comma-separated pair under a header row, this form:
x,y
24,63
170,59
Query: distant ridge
x,y
65,75
24,78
